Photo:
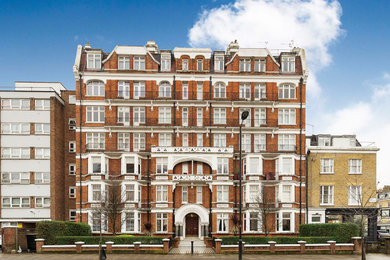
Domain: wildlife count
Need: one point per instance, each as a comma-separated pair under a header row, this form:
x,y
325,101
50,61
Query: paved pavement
x,y
161,257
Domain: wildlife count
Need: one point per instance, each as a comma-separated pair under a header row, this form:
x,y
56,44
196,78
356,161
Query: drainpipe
x,y
148,190
80,146
307,187
173,215
300,151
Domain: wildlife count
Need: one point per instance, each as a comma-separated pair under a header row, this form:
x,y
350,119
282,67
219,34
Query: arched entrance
x,y
192,225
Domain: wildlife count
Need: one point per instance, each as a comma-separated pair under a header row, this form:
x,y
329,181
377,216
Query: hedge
x,y
49,230
94,240
279,240
341,231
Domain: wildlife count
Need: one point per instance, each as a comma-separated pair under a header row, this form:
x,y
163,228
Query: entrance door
x,y
192,225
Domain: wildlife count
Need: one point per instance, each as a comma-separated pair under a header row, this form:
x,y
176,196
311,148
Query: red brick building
x,y
162,127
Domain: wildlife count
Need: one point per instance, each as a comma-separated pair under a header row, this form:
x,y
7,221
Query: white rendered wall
x,y
25,165
25,141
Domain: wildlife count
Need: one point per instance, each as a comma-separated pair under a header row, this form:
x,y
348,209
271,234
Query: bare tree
x,y
363,201
266,207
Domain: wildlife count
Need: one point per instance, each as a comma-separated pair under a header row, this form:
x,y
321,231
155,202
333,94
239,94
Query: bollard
x,y
192,247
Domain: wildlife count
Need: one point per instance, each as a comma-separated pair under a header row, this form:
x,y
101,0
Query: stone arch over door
x,y
182,212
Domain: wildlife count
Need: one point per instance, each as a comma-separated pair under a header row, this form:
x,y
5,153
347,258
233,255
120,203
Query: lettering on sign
x,y
192,178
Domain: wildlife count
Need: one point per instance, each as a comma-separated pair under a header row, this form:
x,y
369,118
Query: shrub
x,y
49,230
279,240
94,240
341,231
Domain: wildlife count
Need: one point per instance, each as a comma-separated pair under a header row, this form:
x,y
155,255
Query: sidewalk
x,y
160,257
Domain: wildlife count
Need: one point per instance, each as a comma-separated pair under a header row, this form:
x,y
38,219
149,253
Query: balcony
x,y
162,149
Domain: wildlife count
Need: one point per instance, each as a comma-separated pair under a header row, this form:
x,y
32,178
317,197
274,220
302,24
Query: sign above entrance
x,y
192,178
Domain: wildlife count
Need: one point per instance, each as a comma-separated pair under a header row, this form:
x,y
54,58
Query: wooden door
x,y
192,225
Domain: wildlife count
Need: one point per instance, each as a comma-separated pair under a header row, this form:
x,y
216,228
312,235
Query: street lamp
x,y
244,115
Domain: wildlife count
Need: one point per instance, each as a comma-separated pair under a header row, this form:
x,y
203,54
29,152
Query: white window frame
x,y
260,65
245,91
123,142
287,91
72,146
199,194
41,129
222,193
285,165
42,153
15,153
326,195
95,140
199,140
123,115
94,89
260,117
139,140
165,139
254,165
354,195
161,193
72,215
72,169
219,90
260,91
184,116
219,140
162,222
15,104
355,166
139,63
222,222
327,165
139,115
199,116
95,114
72,192
124,89
184,194
199,90
94,61
260,142
219,116
184,66
42,177
288,64
164,115
247,122
219,63
164,90
287,142
287,116
165,62
245,65
139,89
162,165
18,128
222,165
15,177
185,140
199,64
185,90
246,143
287,193
123,63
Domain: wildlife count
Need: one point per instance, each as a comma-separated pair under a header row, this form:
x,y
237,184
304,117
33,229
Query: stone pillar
x,y
136,247
39,242
302,245
356,245
109,246
218,243
166,245
78,246
272,247
332,246
243,246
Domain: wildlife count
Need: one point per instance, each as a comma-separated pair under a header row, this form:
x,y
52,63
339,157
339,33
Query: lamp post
x,y
244,115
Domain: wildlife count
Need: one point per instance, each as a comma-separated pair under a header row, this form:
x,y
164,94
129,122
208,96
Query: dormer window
x,y
245,64
139,63
324,141
288,64
124,63
184,64
165,62
199,65
94,61
259,65
219,63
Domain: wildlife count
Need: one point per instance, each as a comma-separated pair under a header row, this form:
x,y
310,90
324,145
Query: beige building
x,y
341,178
383,203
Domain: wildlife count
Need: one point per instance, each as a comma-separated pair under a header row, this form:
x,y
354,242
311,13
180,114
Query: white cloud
x,y
369,120
312,25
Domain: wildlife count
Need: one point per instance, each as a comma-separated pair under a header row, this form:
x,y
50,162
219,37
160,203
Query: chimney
x,y
87,46
152,47
232,48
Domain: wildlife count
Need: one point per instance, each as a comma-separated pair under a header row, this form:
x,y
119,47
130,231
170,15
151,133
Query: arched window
x,y
95,89
219,90
164,90
287,91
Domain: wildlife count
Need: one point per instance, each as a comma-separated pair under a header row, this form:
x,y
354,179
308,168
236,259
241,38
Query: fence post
x,y
109,246
78,246
387,244
302,246
356,245
332,246
272,247
166,245
136,247
39,242
218,243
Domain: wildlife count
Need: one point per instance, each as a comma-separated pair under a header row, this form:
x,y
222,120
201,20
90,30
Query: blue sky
x,y
39,40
